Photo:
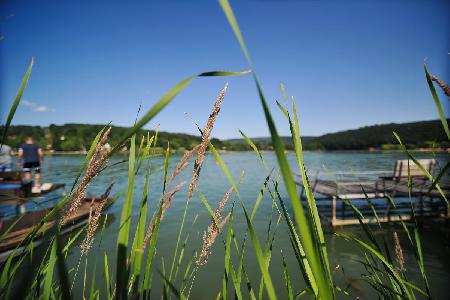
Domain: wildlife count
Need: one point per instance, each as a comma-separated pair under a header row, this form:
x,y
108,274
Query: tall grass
x,y
135,266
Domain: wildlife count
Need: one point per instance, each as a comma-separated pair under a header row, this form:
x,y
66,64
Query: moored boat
x,y
15,230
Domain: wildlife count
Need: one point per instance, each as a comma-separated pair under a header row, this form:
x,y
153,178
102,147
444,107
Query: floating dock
x,y
378,200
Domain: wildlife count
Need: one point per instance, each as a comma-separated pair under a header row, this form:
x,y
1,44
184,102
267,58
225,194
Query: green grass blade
x,y
420,259
174,290
223,166
425,171
165,282
287,278
165,100
107,278
261,259
313,255
151,254
16,102
208,207
260,195
227,260
124,229
166,165
235,26
314,214
62,270
137,248
298,248
92,288
253,146
49,272
437,102
380,256
183,219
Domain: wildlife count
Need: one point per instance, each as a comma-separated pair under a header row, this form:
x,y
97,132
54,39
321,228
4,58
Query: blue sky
x,y
348,63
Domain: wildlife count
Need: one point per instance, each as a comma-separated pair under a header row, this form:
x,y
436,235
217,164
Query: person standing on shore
x,y
32,157
5,158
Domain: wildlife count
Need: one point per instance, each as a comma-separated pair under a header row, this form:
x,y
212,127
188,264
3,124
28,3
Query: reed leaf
x,y
287,278
150,255
425,171
385,262
261,258
223,166
298,249
16,101
174,290
437,102
208,208
421,263
124,229
253,146
165,100
107,278
166,165
319,267
49,272
260,195
140,230
227,260
62,270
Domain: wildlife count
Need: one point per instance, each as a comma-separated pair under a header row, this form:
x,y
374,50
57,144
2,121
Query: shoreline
x,y
50,153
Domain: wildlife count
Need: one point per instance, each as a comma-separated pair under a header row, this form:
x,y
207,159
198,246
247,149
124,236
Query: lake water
x,y
214,184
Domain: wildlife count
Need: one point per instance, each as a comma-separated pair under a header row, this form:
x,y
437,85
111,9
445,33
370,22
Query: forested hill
x,y
423,134
415,134
75,137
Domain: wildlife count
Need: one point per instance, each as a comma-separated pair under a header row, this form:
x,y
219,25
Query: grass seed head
x,y
206,134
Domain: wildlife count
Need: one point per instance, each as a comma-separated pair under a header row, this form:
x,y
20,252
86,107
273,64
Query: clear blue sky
x,y
348,63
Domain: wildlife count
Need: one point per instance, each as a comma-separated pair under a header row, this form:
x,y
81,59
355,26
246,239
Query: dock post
x,y
333,212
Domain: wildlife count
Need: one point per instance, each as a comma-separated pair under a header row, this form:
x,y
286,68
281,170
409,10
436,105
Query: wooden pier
x,y
386,199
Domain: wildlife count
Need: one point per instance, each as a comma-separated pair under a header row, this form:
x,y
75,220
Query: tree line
x,y
78,137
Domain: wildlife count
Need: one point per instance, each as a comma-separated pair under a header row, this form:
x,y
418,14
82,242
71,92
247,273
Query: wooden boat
x,y
14,230
12,187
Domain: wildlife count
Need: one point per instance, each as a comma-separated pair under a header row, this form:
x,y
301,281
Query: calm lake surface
x,y
214,184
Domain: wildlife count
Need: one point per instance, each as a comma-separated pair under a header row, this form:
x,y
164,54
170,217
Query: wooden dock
x,y
378,200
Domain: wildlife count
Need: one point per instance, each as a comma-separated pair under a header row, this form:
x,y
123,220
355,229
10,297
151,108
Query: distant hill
x,y
416,134
265,141
73,137
423,134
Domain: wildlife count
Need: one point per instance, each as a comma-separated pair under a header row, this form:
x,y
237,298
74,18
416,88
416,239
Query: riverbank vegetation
x,y
135,270
77,137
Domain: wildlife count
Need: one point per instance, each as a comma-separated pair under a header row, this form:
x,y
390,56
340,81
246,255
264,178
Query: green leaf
x,y
437,102
208,207
165,100
253,146
62,270
314,255
124,229
166,165
261,259
16,102
378,255
425,171
223,166
140,230
49,272
151,253
107,279
287,278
